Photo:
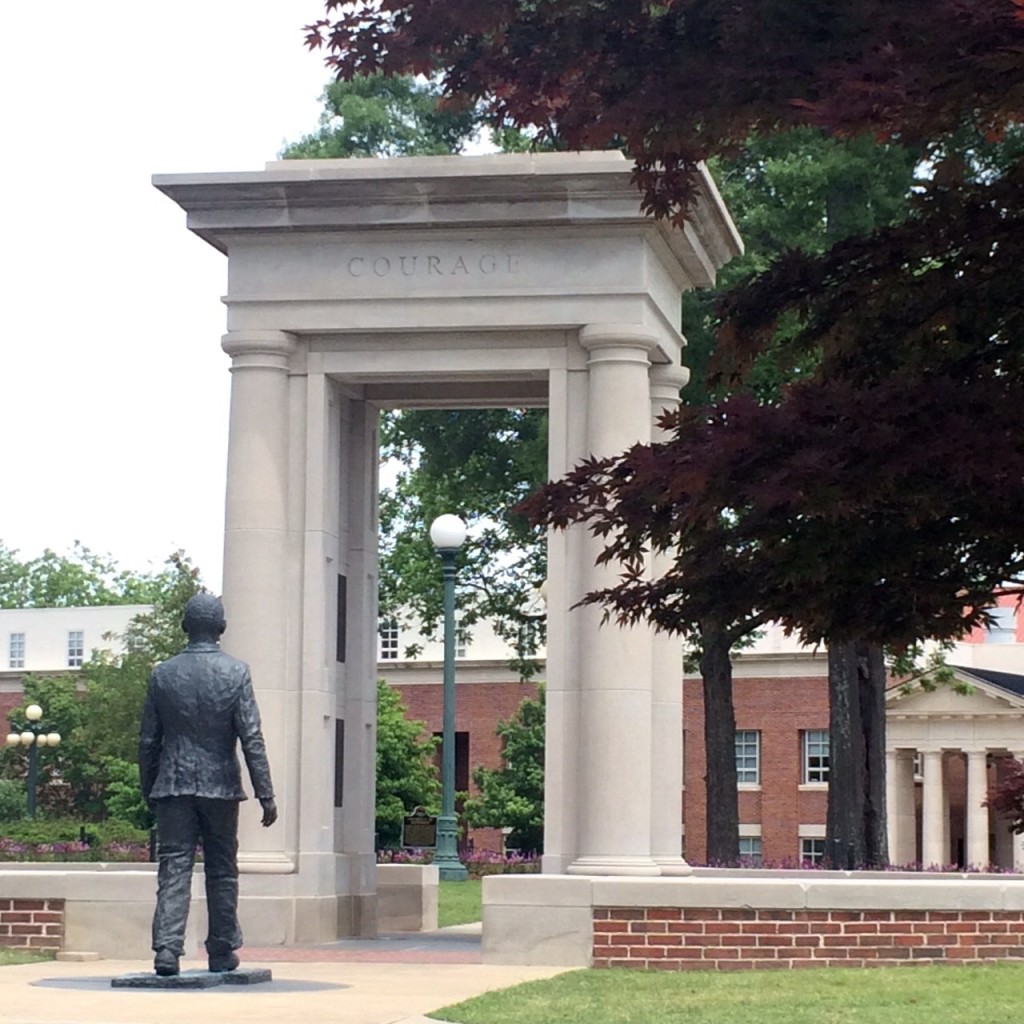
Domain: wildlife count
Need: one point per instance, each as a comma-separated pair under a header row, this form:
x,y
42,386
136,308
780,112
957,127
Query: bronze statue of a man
x,y
198,708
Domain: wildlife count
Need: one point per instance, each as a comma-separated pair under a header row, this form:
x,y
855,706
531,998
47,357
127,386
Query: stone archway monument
x,y
361,285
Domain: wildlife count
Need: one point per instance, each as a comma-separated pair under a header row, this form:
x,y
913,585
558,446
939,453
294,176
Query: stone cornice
x,y
411,193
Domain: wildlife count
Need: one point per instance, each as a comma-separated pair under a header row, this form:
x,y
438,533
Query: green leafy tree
x,y
69,778
79,579
377,116
406,773
513,796
115,683
479,464
97,712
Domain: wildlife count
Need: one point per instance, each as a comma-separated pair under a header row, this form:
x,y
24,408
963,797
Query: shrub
x,y
12,800
43,831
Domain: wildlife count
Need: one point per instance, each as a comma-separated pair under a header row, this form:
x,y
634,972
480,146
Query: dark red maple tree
x,y
675,81
880,512
1008,798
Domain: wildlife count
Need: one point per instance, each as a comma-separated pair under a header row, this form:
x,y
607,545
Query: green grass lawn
x,y
8,957
990,994
459,902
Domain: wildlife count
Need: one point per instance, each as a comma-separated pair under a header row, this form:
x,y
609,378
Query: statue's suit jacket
x,y
199,706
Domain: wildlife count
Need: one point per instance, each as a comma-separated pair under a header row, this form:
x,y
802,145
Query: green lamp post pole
x,y
448,534
32,734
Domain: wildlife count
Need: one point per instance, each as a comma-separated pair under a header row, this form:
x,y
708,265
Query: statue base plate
x,y
194,979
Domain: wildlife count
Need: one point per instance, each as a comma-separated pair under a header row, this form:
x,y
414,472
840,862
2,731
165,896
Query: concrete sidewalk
x,y
383,992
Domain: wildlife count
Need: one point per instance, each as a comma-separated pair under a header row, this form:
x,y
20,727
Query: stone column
x,y
902,822
976,847
666,678
932,803
256,567
1018,839
614,753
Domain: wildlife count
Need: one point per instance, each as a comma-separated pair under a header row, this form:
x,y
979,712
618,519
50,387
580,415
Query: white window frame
x,y
16,650
76,648
388,632
812,849
1003,629
811,745
744,741
812,843
750,844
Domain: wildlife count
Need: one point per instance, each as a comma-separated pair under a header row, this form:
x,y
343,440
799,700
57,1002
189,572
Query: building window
x,y
812,851
16,651
750,850
388,639
76,648
1003,628
816,755
748,756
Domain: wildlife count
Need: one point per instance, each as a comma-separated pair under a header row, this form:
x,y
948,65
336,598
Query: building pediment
x,y
979,698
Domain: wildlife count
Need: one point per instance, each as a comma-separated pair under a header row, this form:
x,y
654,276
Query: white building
x,y
57,640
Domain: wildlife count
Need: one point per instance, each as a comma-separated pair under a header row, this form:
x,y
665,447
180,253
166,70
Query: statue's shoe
x,y
165,963
221,964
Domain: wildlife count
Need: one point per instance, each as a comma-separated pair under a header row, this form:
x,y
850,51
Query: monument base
x,y
731,919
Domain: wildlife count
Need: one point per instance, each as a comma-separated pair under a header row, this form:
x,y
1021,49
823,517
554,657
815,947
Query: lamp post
x,y
448,534
32,734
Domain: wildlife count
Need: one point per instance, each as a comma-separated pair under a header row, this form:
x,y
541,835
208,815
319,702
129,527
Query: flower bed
x,y
73,851
478,862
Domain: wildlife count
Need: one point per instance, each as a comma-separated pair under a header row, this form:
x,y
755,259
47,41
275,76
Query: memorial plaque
x,y
419,829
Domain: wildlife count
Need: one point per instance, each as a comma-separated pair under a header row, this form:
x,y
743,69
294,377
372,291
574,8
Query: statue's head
x,y
204,618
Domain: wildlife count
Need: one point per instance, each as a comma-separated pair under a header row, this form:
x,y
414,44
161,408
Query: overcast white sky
x,y
113,386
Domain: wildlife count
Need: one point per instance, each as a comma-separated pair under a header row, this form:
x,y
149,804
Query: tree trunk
x,y
872,713
855,830
720,745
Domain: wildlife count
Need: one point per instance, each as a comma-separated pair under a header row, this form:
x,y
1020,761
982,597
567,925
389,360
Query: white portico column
x,y
666,678
614,761
976,851
256,569
932,811
902,823
1018,839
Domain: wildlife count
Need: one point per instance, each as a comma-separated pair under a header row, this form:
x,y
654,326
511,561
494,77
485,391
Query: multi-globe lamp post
x,y
448,534
32,734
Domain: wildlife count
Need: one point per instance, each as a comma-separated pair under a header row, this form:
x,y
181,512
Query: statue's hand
x,y
269,812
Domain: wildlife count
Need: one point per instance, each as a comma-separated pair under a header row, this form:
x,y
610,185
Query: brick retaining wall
x,y
685,938
32,924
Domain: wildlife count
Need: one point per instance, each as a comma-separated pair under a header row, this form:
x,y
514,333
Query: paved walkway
x,y
392,980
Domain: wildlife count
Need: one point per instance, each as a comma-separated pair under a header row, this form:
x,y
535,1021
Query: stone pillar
x,y
666,678
1017,858
614,754
256,568
902,821
932,826
976,853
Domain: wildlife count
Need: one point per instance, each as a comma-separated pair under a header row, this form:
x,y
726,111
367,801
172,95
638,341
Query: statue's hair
x,y
204,616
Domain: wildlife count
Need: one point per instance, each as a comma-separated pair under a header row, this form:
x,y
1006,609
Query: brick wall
x,y
9,700
676,939
32,924
478,709
781,708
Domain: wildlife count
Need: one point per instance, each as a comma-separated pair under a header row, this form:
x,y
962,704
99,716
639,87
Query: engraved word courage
x,y
484,265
